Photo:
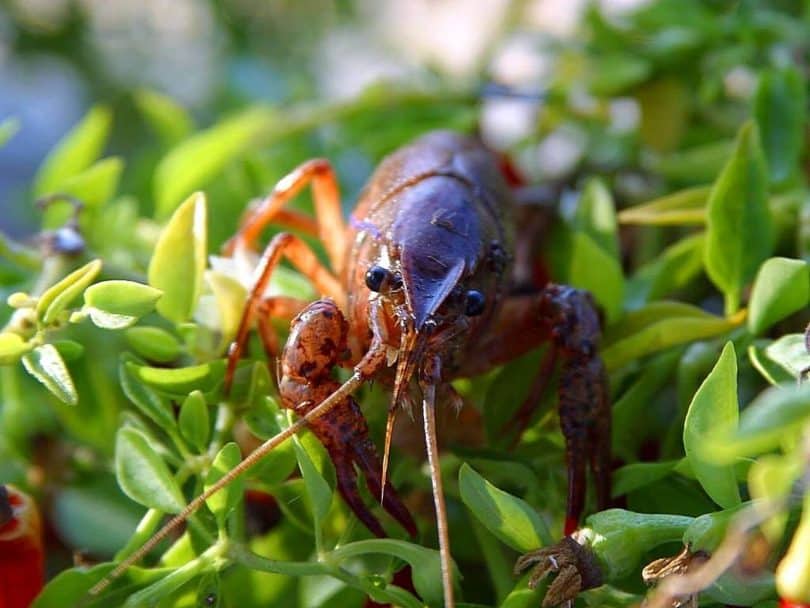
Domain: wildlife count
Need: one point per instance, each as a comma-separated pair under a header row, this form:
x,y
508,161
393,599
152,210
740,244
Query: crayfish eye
x,y
377,278
474,303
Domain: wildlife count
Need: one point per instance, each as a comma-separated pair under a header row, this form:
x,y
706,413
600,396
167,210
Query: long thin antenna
x,y
389,430
327,404
429,413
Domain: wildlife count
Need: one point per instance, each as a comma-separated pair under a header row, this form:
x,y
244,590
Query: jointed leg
x,y
316,343
302,257
568,319
325,193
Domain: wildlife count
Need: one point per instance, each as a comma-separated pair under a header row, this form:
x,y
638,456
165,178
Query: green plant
x,y
115,354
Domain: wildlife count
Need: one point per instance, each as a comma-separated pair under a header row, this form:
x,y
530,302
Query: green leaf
x,y
178,262
772,371
714,412
77,150
122,298
772,417
640,474
509,518
697,165
790,352
69,349
58,296
12,348
142,474
153,343
657,326
673,269
93,187
682,208
168,118
317,487
739,232
194,422
782,286
223,502
8,129
425,563
771,478
195,161
147,401
508,390
781,114
230,297
594,269
707,531
180,380
46,365
596,216
70,587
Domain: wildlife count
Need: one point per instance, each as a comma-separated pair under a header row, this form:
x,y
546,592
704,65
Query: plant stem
x,y
212,559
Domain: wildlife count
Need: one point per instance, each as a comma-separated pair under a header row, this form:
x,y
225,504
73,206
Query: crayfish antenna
x,y
346,389
429,413
389,431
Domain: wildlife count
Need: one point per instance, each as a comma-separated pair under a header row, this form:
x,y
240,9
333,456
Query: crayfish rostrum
x,y
418,292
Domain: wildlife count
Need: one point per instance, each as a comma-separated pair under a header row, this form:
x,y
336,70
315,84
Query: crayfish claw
x,y
573,565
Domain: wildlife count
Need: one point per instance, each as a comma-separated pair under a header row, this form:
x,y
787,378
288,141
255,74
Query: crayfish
x,y
418,292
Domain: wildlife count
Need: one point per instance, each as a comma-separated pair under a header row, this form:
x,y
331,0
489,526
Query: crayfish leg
x,y
316,344
329,222
304,259
566,318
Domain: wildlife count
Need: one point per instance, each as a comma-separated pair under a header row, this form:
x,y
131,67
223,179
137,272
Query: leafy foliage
x,y
117,355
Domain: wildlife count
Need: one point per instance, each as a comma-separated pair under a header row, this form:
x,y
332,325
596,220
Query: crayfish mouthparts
x,y
575,565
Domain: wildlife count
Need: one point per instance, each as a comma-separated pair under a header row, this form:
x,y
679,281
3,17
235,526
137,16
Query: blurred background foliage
x,y
174,96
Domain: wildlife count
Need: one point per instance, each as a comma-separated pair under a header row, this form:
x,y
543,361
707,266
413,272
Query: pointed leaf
x,y
739,233
780,109
178,263
594,269
782,287
46,365
168,118
93,187
596,216
317,487
658,326
122,297
195,161
77,150
773,416
673,269
681,208
509,518
714,412
194,421
58,296
230,297
223,502
142,474
148,401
